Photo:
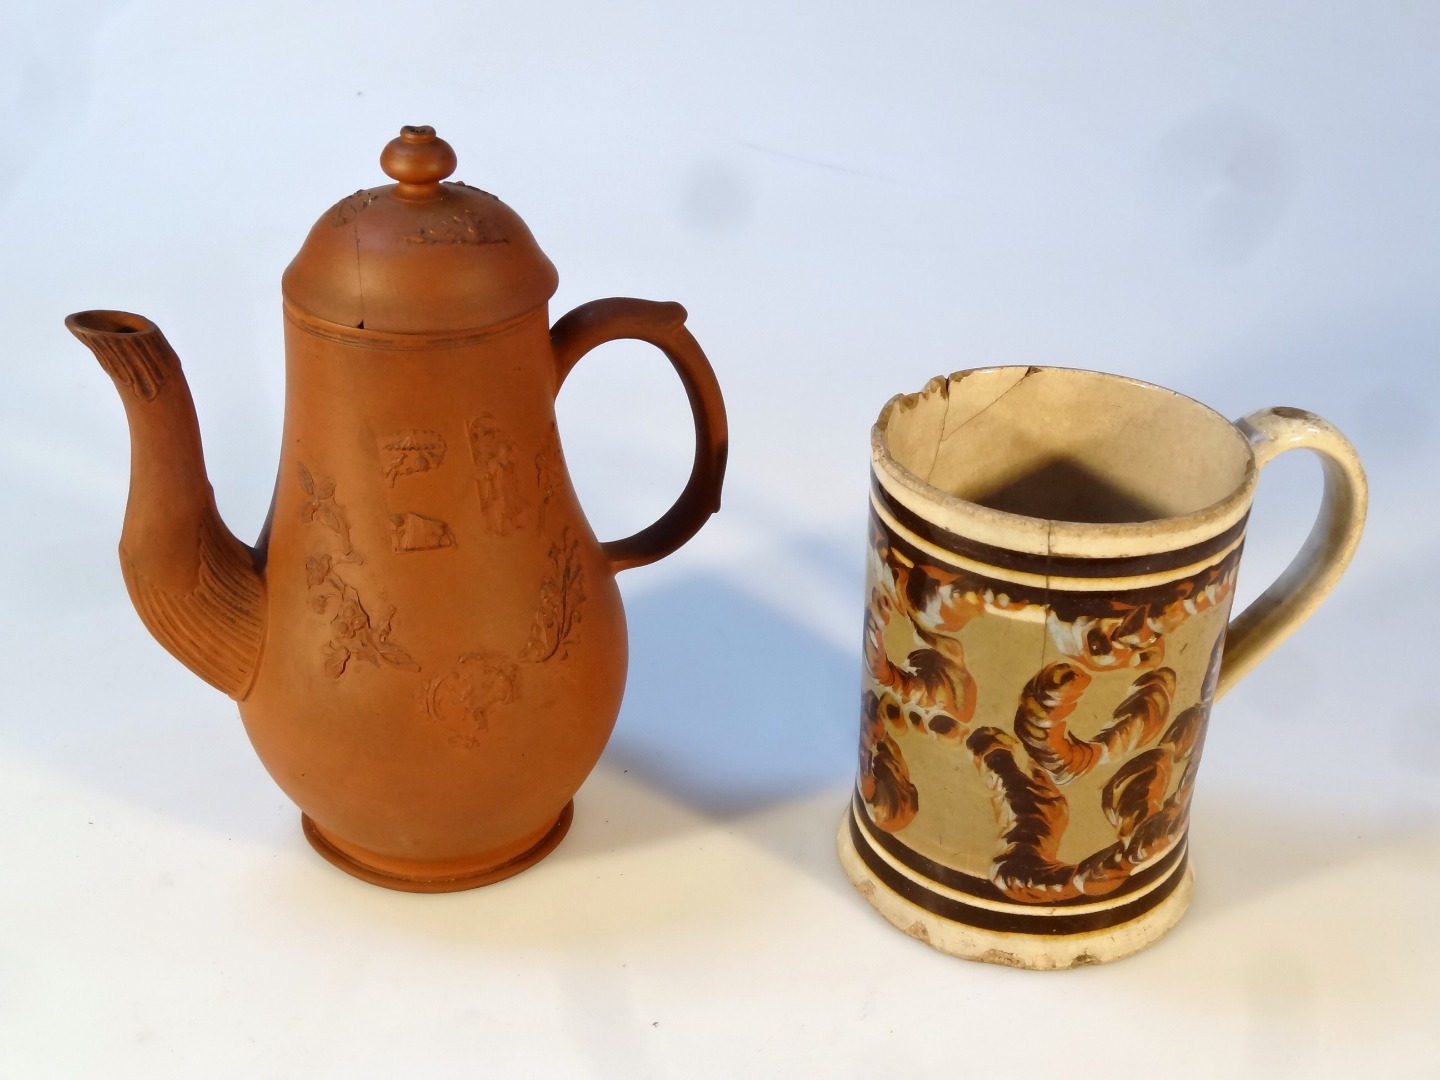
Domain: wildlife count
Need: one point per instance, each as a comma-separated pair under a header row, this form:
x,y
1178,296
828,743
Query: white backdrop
x,y
1236,199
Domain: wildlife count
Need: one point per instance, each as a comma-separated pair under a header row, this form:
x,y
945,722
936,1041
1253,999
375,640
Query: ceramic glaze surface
x,y
1034,703
426,642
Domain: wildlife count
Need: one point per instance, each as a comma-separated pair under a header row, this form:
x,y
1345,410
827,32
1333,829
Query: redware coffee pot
x,y
426,641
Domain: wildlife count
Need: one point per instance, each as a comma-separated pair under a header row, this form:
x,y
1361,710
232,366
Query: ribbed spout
x,y
197,588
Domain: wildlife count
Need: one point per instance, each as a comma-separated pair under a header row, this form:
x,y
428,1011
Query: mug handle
x,y
662,325
1295,594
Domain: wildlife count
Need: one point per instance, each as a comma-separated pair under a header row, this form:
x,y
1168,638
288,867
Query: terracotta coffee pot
x,y
426,641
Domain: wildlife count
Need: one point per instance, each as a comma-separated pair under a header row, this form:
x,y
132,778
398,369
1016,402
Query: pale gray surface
x,y
1238,200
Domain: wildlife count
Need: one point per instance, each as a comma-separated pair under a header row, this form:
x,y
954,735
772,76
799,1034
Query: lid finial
x,y
416,256
417,161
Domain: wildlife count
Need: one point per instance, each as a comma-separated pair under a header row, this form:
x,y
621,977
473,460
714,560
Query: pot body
x,y
445,647
426,642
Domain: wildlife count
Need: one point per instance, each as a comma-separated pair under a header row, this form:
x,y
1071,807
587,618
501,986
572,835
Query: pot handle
x,y
1295,594
662,325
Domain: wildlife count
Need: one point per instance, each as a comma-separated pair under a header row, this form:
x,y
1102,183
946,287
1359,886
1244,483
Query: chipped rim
x,y
1048,536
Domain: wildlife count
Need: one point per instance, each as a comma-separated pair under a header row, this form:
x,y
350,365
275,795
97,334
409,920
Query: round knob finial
x,y
418,160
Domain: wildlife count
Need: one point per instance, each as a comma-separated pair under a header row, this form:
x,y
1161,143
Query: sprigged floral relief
x,y
357,631
320,507
561,594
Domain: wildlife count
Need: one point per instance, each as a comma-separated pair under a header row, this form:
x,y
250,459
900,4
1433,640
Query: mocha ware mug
x,y
1052,559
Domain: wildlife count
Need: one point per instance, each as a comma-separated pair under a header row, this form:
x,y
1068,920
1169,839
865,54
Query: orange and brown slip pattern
x,y
1025,745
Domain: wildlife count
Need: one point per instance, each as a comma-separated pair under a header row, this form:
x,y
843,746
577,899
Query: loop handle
x,y
1295,594
662,325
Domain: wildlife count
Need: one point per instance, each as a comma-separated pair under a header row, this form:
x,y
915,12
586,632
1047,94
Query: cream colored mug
x,y
1052,559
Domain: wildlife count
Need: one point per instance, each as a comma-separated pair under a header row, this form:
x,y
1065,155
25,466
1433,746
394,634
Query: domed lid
x,y
421,255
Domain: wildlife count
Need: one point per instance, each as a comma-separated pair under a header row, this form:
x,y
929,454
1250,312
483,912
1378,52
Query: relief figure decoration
x,y
411,452
416,532
461,699
495,474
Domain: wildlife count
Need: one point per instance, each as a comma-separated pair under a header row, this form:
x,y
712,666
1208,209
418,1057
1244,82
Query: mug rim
x,y
1057,536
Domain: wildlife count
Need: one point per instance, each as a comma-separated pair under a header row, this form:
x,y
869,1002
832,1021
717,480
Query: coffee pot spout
x,y
197,588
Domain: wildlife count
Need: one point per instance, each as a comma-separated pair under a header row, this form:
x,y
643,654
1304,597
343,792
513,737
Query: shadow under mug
x,y
1052,559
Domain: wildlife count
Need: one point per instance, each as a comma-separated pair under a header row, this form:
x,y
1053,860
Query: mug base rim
x,y
1033,951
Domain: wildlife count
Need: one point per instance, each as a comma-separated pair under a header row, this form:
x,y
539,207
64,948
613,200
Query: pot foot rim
x,y
419,884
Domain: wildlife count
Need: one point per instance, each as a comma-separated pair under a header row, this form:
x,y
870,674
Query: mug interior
x,y
1066,445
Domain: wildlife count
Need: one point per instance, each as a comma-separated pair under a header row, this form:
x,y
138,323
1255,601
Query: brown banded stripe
x,y
1016,920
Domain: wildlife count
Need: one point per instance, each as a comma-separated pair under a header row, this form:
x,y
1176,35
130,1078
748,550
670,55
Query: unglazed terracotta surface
x,y
426,642
1053,556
